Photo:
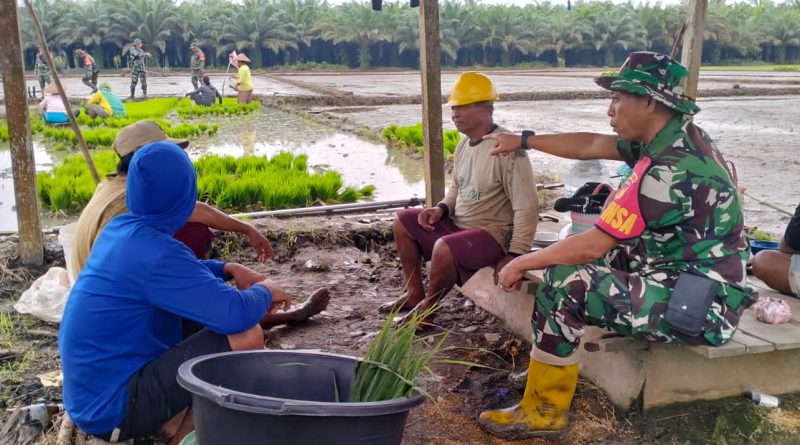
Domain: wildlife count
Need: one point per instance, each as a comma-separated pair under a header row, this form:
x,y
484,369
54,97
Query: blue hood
x,y
162,186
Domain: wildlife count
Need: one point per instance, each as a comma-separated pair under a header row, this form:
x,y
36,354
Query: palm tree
x,y
506,32
256,25
299,17
89,27
458,22
612,28
781,30
560,32
357,24
149,20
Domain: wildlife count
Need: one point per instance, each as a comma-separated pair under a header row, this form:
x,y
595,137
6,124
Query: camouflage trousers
x,y
570,297
136,76
90,78
44,79
196,78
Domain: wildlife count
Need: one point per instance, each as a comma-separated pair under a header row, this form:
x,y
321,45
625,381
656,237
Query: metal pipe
x,y
338,209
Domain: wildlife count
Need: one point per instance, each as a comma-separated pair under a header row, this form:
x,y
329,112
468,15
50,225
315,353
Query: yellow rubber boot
x,y
544,408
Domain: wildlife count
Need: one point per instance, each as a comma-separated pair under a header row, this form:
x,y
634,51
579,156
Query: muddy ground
x,y
354,256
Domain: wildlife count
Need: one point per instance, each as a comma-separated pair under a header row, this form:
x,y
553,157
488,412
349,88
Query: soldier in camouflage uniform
x,y
90,70
678,213
41,69
136,63
197,65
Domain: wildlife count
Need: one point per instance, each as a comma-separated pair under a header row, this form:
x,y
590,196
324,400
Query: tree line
x,y
293,32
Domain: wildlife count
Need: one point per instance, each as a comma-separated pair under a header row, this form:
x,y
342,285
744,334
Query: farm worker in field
x,y
41,69
666,259
780,269
120,340
105,104
90,69
137,59
488,215
206,95
197,64
53,109
109,200
244,81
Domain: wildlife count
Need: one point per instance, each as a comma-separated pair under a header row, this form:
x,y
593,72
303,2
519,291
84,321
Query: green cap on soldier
x,y
651,74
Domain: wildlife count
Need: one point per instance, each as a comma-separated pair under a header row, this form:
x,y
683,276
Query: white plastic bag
x,y
47,296
772,310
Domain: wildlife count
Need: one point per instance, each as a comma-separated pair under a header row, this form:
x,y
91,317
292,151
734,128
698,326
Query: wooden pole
x,y
693,44
72,122
429,61
23,164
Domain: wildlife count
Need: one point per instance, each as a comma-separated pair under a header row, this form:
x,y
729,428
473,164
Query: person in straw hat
x,y
244,81
52,106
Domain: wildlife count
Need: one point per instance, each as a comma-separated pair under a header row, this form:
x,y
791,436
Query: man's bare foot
x,y
404,303
316,303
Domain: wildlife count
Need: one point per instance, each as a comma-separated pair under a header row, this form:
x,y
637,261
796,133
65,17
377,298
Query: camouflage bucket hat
x,y
193,45
137,41
651,74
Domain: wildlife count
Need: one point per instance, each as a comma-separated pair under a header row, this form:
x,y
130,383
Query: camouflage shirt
x,y
681,211
41,64
136,59
198,60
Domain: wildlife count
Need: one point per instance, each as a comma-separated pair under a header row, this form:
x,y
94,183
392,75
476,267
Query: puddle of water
x,y
361,163
394,174
8,212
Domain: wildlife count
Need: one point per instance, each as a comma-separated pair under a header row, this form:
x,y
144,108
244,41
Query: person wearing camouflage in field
x,y
197,64
136,63
90,70
41,69
678,213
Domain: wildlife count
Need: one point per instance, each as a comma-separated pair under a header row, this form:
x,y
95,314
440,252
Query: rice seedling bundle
x,y
412,137
393,362
254,182
70,186
229,107
4,132
150,108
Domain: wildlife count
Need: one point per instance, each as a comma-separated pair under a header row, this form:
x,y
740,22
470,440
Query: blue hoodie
x,y
126,306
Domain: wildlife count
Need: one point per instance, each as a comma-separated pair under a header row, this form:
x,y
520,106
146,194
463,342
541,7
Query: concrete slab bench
x,y
760,356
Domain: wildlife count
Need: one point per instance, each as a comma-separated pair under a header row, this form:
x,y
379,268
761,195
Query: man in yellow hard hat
x,y
488,215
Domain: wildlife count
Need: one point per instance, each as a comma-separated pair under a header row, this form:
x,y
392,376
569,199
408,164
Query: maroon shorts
x,y
472,249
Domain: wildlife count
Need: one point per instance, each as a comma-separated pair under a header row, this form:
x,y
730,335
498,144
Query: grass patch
x,y
70,186
229,107
258,183
412,137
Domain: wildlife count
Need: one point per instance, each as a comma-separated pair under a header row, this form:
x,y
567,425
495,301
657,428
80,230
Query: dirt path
x,y
355,258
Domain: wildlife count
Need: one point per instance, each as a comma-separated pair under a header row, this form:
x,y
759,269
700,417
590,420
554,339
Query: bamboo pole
x,y
693,44
429,62
72,122
23,164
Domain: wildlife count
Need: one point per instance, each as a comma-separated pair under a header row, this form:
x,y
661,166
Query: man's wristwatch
x,y
524,139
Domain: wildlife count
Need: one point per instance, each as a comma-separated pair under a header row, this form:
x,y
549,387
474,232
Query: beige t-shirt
x,y
494,193
107,202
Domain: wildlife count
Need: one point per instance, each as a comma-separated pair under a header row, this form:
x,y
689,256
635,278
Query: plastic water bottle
x,y
581,172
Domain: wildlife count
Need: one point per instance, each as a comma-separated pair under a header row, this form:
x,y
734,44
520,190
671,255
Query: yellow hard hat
x,y
471,87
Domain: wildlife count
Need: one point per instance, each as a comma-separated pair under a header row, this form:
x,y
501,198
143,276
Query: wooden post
x,y
693,44
23,164
429,62
72,122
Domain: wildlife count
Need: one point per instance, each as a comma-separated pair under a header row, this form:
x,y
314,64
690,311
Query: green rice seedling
x,y
151,108
70,186
4,132
349,194
412,137
229,107
367,190
391,367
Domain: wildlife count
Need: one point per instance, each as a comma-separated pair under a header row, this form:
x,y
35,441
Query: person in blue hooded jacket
x,y
120,338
